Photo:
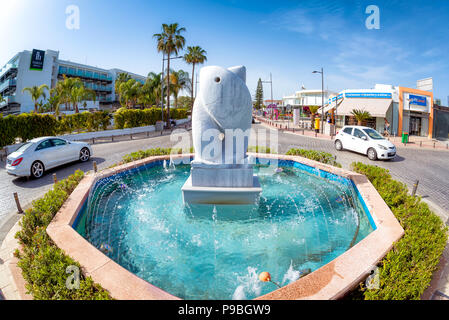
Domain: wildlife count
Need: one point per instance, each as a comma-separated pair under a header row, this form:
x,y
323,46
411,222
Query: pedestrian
x,y
387,128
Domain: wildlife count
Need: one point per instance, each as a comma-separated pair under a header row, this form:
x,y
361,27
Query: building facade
x,y
37,67
303,99
399,109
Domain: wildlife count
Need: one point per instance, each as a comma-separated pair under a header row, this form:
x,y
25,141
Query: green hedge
x,y
406,271
27,126
43,264
142,154
130,118
320,156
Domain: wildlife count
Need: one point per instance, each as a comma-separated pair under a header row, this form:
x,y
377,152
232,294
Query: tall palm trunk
x,y
193,83
168,91
35,106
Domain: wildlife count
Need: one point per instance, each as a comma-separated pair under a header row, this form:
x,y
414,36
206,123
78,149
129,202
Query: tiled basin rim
x,y
331,281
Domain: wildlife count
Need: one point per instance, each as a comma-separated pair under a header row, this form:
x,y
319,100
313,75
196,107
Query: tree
x,y
130,92
170,41
179,80
259,95
154,80
360,115
313,111
36,92
64,90
80,94
194,56
122,77
2,99
185,102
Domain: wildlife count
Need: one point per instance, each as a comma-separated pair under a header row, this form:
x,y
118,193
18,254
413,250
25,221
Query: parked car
x,y
40,154
366,141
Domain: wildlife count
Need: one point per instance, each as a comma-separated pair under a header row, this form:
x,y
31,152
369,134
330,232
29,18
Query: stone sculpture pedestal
x,y
221,184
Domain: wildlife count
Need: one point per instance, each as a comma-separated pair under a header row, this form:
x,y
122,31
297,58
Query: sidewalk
x,y
414,141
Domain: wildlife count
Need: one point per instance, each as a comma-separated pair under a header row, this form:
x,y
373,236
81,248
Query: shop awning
x,y
376,107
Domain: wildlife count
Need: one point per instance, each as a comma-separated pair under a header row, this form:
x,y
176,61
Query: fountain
x,y
238,229
221,172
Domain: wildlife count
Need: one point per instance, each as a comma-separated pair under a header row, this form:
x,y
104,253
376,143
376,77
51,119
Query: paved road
x,y
430,167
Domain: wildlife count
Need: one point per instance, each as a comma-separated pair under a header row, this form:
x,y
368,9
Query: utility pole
x,y
162,88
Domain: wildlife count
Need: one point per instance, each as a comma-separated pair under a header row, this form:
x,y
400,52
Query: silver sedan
x,y
38,155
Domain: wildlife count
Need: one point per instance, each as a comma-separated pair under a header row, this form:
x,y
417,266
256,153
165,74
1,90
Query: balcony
x,y
10,83
84,74
7,70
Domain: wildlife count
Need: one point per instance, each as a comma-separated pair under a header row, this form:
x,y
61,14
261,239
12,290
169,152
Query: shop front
x,y
415,112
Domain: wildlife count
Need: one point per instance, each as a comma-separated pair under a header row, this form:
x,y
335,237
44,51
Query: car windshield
x,y
24,147
373,134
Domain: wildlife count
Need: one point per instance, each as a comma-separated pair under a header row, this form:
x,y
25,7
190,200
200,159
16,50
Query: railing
x,y
7,83
6,68
83,74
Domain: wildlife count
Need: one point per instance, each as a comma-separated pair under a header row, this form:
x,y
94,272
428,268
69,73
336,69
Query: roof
x,y
41,138
376,107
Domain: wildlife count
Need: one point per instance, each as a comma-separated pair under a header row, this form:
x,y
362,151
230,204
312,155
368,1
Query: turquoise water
x,y
301,223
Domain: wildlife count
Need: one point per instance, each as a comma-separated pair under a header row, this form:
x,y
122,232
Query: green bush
x,y
319,156
43,264
142,154
27,126
259,149
130,118
406,271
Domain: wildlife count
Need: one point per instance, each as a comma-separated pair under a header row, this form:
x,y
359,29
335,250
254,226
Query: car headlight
x,y
382,147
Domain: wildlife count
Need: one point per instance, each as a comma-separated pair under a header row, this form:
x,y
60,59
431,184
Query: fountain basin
x,y
330,281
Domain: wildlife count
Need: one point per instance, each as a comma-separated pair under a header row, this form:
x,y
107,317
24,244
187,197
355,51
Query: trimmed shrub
x,y
319,156
43,264
130,118
406,271
142,154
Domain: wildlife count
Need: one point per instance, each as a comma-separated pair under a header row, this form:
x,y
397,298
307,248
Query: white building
x,y
306,98
37,67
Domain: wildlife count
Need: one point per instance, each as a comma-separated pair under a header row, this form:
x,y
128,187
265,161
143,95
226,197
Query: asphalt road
x,y
430,167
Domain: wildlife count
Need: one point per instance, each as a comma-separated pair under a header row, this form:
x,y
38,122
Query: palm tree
x,y
122,77
313,111
179,80
155,83
193,56
64,89
129,92
36,92
169,41
360,115
80,94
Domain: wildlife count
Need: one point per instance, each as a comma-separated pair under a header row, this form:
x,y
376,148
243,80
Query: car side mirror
x,y
364,138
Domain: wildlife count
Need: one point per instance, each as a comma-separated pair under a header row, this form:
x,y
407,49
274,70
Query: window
x,y
24,147
373,134
358,133
348,130
58,142
44,145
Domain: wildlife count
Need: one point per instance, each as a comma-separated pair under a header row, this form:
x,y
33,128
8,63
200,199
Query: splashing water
x,y
215,252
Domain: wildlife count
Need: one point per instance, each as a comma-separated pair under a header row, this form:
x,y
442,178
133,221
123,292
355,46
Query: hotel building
x,y
37,67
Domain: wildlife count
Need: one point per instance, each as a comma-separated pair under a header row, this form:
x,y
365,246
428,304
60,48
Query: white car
x,y
40,154
366,141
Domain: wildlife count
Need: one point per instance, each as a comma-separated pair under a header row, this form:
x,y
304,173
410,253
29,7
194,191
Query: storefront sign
x,y
376,95
37,60
340,96
417,100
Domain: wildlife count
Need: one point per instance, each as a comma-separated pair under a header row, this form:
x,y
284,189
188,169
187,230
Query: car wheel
x,y
84,155
338,145
372,154
37,169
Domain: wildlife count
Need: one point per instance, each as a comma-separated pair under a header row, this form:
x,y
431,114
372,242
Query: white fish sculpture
x,y
223,104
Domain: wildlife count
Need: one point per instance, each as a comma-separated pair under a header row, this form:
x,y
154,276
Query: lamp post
x,y
162,83
322,98
271,83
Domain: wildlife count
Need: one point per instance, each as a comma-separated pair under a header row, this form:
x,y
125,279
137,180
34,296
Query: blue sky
x,y
290,39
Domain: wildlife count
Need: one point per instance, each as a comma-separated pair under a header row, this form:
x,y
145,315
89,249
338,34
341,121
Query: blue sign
x,y
376,95
417,100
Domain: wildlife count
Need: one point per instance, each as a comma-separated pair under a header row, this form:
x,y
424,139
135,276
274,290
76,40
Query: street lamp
x,y
271,83
162,83
322,98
